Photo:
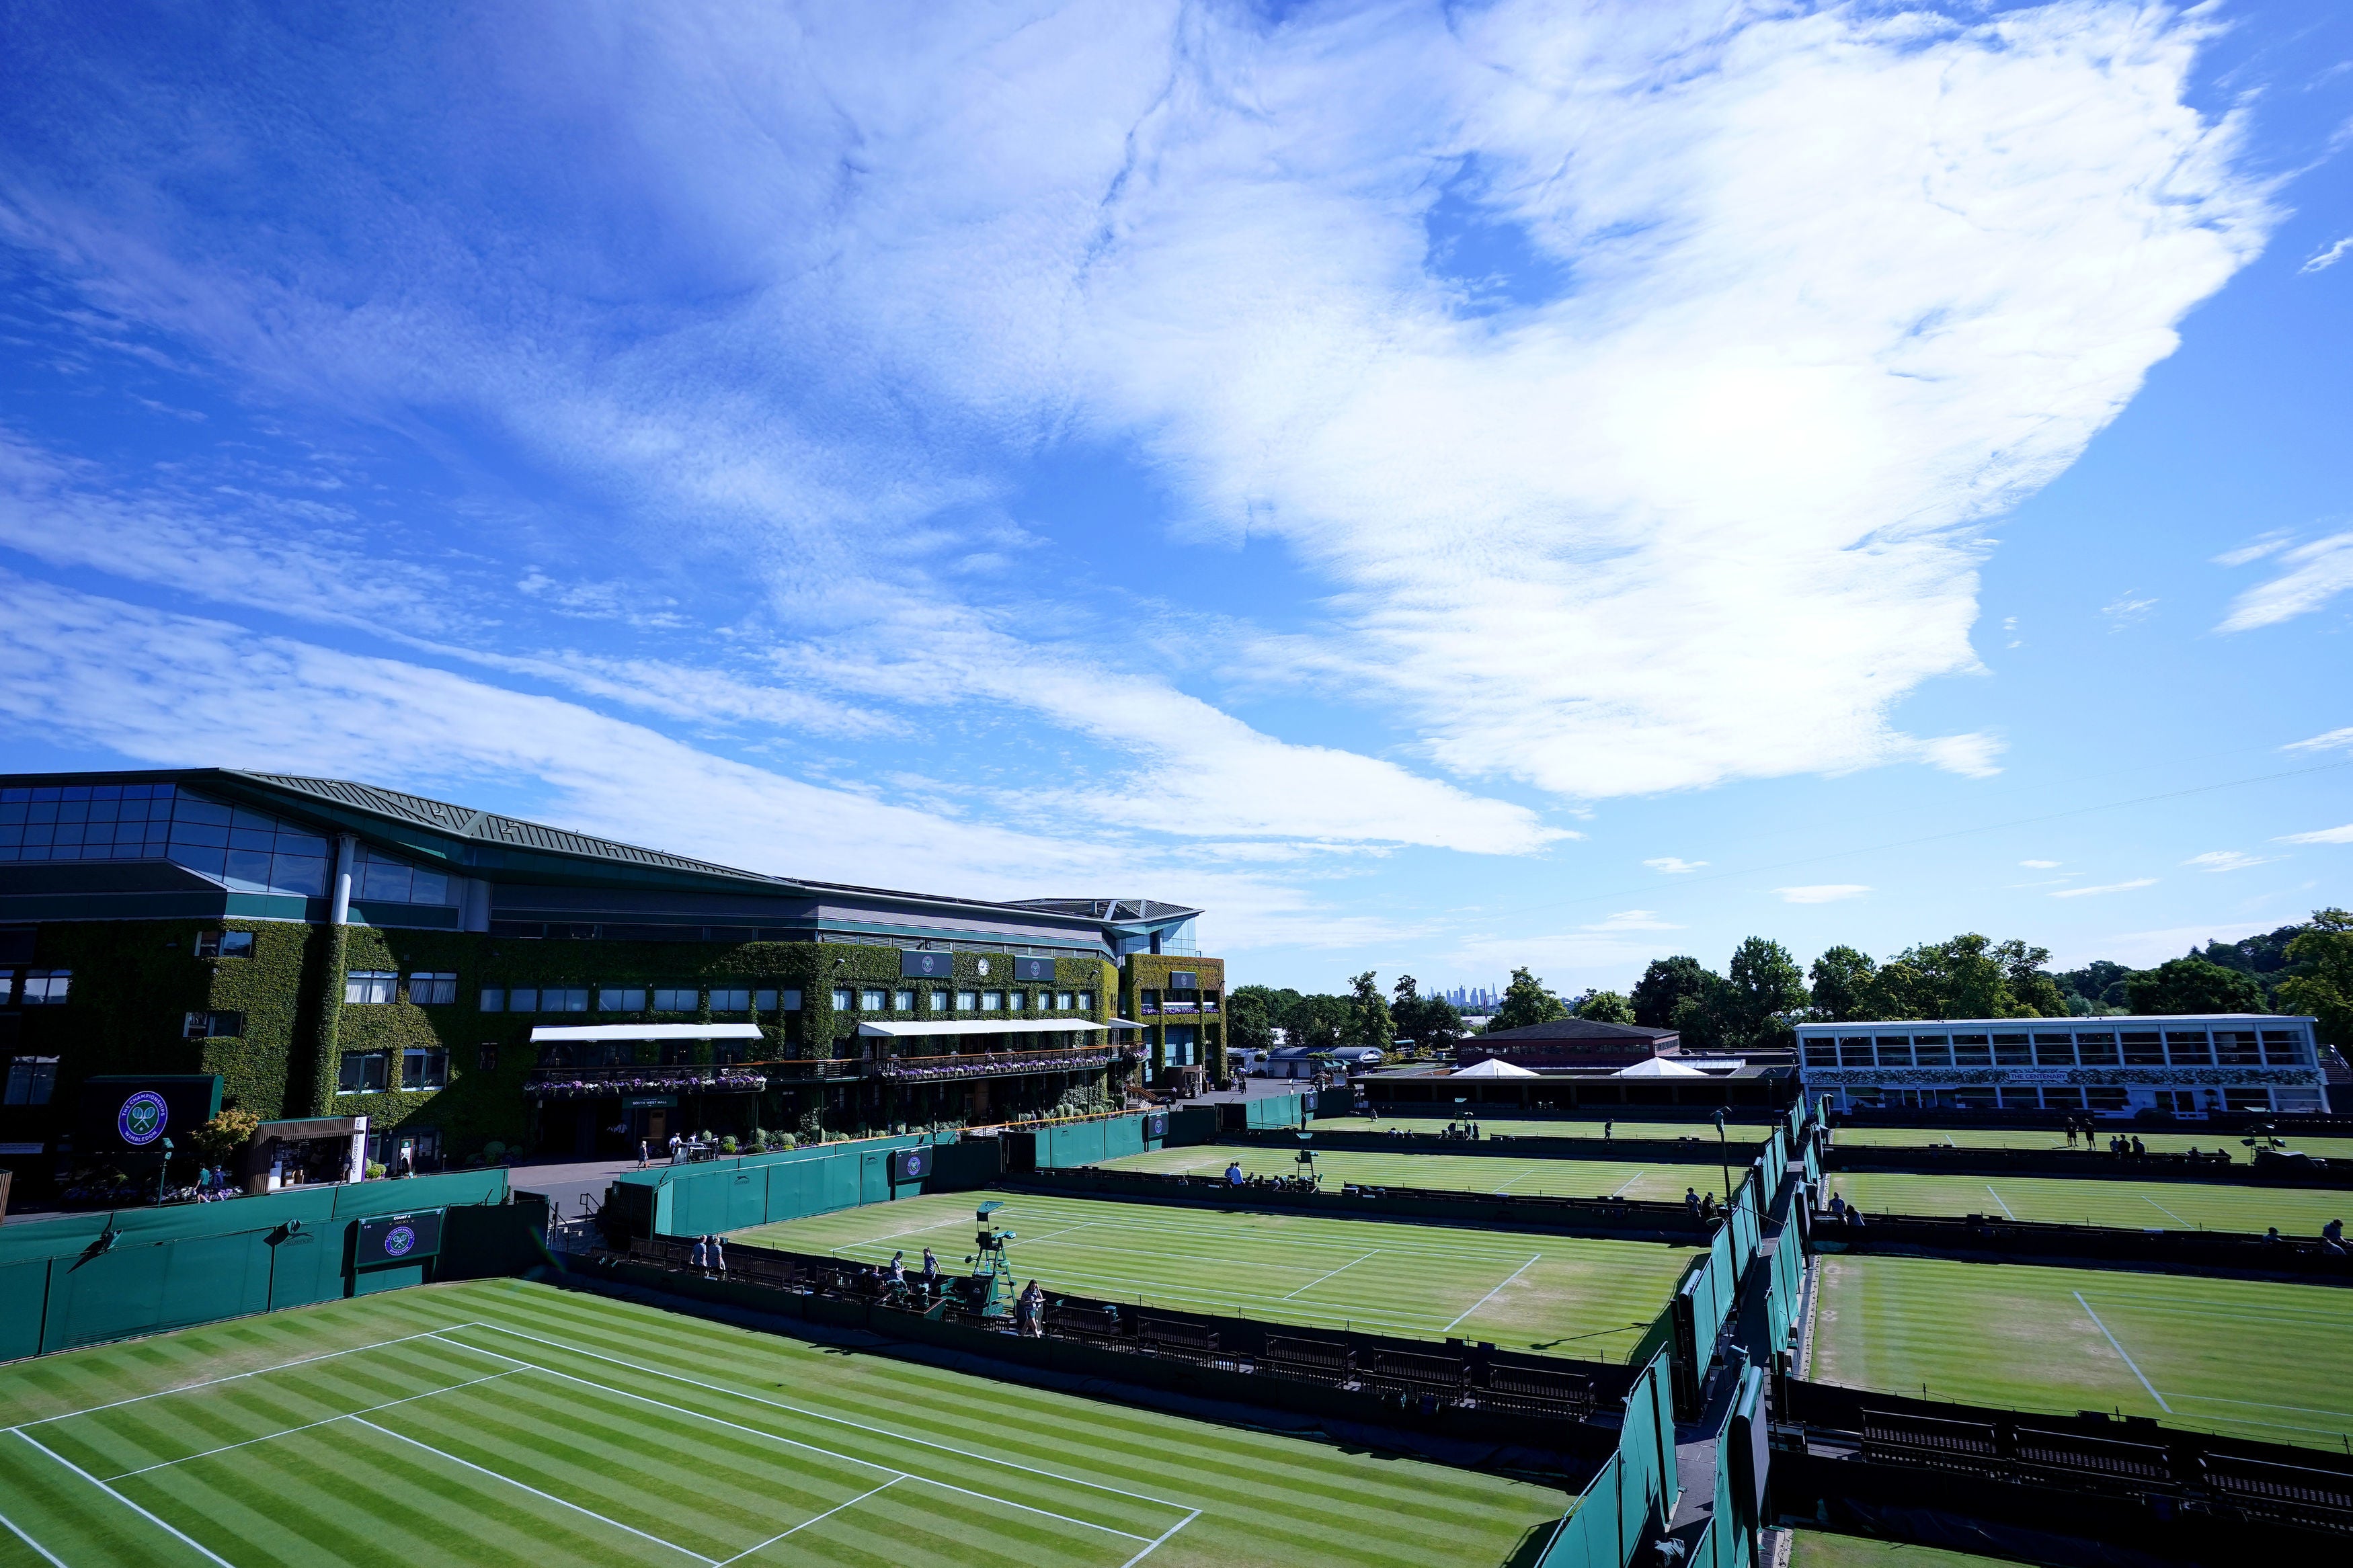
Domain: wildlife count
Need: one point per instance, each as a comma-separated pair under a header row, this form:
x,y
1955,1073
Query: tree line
x,y
1763,992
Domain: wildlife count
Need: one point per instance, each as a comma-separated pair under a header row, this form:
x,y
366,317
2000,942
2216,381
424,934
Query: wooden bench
x,y
1317,1361
1968,1447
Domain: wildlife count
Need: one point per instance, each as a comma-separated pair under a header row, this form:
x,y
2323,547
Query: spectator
x,y
2139,1148
1608,1129
642,1154
931,1273
700,1257
1707,1207
2332,1238
2272,1237
1233,1172
1837,1204
899,1268
1690,1201
719,1255
1854,1217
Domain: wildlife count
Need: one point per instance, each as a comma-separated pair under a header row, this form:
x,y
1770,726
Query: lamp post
x,y
1724,1153
163,1171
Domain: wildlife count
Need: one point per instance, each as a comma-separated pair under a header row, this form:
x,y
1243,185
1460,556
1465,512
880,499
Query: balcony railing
x,y
952,1067
699,1077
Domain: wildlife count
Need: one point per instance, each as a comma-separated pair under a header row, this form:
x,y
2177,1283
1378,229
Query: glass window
x,y
7,984
872,1001
369,986
1063,1002
1149,1002
2096,1050
523,999
486,1056
46,987
992,1001
937,1001
32,1080
967,1001
1822,1053
1183,980
777,1001
2143,1050
2012,1051
730,999
1932,1051
425,1066
841,1000
212,1025
224,944
432,990
363,1072
2282,1052
1894,1051
1972,1051
902,1002
1015,1001
621,999
494,999
2188,1050
563,999
2055,1050
672,999
1086,1001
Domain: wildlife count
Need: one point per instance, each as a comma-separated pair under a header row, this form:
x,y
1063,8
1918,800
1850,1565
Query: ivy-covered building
x,y
331,949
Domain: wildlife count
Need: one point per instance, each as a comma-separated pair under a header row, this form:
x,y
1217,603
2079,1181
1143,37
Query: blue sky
x,y
1440,487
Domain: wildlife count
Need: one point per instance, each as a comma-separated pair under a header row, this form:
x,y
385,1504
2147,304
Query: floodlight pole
x,y
1724,1153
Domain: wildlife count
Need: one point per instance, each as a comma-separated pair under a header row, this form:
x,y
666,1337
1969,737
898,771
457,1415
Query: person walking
x,y
931,1273
642,1154
701,1255
719,1256
1608,1130
1690,1201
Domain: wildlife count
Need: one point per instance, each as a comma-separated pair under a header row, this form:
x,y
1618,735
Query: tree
x,y
2033,990
1319,1022
2193,986
1430,1022
1766,983
1604,1007
1841,977
1968,976
1368,1023
2322,985
2099,987
1663,987
1526,1002
225,1134
1247,1025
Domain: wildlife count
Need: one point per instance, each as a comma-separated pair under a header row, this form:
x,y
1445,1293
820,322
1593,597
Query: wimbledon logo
x,y
141,1121
398,1240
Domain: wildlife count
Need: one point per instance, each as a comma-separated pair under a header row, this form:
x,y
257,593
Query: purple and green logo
x,y
398,1240
140,1120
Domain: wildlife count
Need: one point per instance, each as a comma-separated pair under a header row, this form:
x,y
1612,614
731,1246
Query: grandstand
x,y
1524,1348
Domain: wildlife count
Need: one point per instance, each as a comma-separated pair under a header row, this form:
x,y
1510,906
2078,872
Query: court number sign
x,y
397,1238
910,1165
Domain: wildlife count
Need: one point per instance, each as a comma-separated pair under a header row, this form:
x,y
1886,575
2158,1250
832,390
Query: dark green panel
x,y
105,1296
210,1277
375,1279
874,1176
24,1292
307,1266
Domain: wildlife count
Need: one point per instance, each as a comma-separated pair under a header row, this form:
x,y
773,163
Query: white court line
x,y
2261,1405
1342,1270
802,1410
1491,1295
1629,1181
1154,1543
1997,1197
796,1443
18,1531
232,1377
534,1491
2167,1212
1522,1176
804,1524
209,1553
272,1437
2136,1371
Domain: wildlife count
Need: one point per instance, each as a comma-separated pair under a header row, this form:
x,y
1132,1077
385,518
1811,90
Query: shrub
x,y
493,1149
376,1170
727,1145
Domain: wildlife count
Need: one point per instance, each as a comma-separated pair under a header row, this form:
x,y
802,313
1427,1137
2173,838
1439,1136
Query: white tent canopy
x,y
1658,1066
992,1026
1496,1066
547,1033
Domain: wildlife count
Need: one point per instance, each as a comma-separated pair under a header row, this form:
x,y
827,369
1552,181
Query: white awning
x,y
1496,1066
1658,1066
993,1027
1124,1024
549,1032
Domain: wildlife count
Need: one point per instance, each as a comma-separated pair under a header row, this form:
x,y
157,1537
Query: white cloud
x,y
2315,573
2264,544
2038,865
2327,255
2146,949
1674,864
2335,740
1846,285
2125,611
2324,836
2228,861
1822,893
1634,919
2106,888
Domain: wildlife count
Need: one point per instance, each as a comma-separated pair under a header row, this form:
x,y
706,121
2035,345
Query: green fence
x,y
1276,1110
1093,1142
1635,1491
80,1278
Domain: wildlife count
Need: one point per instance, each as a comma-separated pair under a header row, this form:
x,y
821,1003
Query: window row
x,y
368,1072
31,1079
379,987
874,999
634,999
2148,1047
36,987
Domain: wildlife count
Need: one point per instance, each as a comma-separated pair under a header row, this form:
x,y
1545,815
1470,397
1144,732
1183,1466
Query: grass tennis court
x,y
2095,1200
1459,1173
1565,1295
505,1422
1998,1138
2256,1358
1736,1133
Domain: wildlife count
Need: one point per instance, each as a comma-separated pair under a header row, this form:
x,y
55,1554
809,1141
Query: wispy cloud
x,y
2228,861
2323,836
1634,919
2106,888
1822,893
2270,543
2327,255
2313,574
2125,611
1674,864
2334,741
2038,865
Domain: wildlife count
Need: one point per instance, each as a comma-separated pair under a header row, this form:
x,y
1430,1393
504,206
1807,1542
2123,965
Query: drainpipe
x,y
326,1055
346,852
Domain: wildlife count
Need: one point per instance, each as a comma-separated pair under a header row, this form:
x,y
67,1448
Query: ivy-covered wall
x,y
1149,972
135,982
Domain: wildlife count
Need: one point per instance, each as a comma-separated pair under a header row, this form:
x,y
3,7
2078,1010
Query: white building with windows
x,y
2187,1065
